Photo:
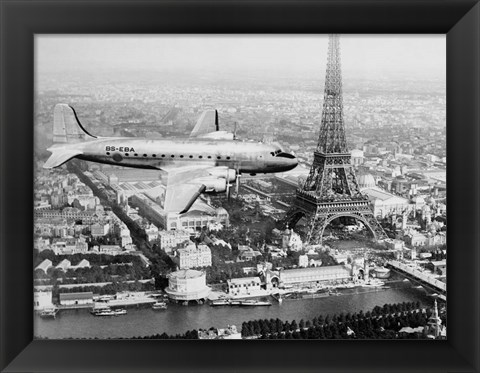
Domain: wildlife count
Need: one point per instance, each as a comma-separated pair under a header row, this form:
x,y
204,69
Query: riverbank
x,y
143,321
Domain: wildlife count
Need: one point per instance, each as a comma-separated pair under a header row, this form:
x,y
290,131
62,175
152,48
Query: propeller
x,y
237,184
228,189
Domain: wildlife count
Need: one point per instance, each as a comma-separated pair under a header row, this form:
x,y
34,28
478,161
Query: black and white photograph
x,y
234,186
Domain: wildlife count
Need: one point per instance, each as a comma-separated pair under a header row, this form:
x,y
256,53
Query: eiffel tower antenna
x,y
331,189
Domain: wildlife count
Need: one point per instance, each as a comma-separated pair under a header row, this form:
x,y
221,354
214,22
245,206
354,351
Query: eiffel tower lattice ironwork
x,y
331,189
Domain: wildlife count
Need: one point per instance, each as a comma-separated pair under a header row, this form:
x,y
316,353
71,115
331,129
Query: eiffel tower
x,y
331,189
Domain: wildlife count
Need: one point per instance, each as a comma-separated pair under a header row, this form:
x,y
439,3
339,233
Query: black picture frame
x,y
20,20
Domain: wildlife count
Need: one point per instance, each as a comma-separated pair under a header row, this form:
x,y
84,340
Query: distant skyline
x,y
362,55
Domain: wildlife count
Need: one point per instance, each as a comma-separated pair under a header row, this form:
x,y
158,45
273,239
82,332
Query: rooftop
x,y
186,273
74,296
314,271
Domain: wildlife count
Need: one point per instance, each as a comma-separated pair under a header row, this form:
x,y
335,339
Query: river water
x,y
179,319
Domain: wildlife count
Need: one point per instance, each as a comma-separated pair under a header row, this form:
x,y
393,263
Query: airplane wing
x,y
208,122
185,184
181,197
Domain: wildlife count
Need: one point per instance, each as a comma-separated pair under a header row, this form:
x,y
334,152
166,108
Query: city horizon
x,y
270,205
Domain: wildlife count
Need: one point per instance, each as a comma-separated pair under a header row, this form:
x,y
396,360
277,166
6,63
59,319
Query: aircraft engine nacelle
x,y
227,174
215,185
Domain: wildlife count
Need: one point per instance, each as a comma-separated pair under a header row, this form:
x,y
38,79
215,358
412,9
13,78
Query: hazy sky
x,y
361,54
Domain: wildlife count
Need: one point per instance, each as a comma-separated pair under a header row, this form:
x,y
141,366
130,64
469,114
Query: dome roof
x,y
366,181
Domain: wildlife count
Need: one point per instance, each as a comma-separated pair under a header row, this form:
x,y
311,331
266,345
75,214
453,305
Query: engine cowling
x,y
224,173
215,185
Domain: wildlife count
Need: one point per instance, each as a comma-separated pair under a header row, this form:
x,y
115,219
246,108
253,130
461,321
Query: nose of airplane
x,y
289,161
293,162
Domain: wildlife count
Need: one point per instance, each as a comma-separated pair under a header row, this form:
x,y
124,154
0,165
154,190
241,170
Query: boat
x,y
349,285
244,303
159,306
382,272
374,283
103,312
49,313
220,302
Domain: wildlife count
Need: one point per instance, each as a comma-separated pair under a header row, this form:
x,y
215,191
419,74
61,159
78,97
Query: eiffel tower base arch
x,y
320,215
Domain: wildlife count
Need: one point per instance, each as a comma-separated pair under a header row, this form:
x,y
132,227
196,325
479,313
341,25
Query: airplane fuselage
x,y
242,156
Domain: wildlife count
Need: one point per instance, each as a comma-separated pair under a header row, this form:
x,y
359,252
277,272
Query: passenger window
x,y
126,154
108,153
191,156
200,156
144,155
154,155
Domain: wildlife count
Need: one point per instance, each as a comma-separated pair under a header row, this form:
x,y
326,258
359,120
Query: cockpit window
x,y
285,155
276,152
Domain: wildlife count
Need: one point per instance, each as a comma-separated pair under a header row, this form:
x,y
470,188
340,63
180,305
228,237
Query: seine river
x,y
179,319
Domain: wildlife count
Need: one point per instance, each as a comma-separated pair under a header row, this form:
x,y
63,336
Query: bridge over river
x,y
427,281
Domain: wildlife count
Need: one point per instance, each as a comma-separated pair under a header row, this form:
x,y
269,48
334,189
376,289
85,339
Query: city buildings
x,y
246,286
313,275
199,216
194,256
168,240
44,266
187,285
229,332
75,299
42,300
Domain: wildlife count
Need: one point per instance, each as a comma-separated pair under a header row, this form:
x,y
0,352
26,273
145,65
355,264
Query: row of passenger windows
x,y
172,156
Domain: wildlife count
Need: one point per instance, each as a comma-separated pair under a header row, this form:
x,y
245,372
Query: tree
x,y
257,330
293,326
279,325
264,327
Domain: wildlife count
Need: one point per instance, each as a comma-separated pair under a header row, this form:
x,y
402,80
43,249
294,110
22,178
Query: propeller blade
x,y
237,184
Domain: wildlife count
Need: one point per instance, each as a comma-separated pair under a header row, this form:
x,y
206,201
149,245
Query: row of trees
x,y
381,322
100,259
95,273
109,289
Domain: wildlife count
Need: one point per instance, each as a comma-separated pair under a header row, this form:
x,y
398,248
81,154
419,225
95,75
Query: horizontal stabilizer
x,y
60,156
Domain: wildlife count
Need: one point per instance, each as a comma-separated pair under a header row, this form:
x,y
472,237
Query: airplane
x,y
206,161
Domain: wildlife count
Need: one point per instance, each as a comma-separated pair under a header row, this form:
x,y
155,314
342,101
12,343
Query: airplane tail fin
x,y
66,126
